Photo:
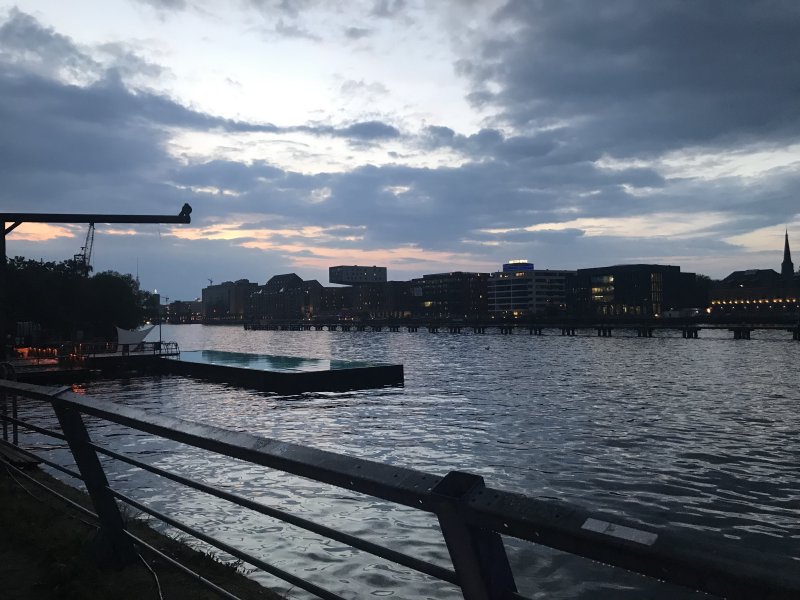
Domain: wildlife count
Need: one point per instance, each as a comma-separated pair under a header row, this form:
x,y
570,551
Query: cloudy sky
x,y
426,136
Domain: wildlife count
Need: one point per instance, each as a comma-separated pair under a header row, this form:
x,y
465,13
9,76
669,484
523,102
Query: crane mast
x,y
83,259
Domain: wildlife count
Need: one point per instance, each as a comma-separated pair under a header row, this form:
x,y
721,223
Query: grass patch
x,y
46,552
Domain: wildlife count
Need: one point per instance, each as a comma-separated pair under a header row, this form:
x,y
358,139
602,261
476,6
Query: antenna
x,y
210,282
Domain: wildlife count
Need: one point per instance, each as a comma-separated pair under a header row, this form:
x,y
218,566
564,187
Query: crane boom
x,y
87,247
83,259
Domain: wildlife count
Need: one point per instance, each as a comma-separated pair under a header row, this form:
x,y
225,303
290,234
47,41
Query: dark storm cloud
x,y
646,77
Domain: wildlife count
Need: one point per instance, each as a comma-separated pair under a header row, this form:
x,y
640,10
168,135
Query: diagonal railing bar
x,y
328,532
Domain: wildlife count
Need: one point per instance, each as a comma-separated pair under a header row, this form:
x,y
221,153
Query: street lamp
x,y
160,318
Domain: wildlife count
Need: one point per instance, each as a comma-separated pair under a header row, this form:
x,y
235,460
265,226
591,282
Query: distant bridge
x,y
688,330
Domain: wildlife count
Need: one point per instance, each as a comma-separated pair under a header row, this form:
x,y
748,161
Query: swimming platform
x,y
282,374
263,372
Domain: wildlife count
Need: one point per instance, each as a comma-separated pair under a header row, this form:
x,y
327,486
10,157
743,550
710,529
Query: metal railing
x,y
473,518
94,349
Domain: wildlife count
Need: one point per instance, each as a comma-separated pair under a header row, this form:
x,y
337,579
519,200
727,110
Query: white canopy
x,y
132,337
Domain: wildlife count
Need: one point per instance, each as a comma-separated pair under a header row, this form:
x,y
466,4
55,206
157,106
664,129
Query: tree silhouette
x,y
64,303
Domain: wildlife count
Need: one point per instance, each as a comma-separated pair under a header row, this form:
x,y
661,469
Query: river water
x,y
701,437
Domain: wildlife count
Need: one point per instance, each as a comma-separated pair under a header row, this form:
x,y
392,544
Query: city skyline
x,y
425,138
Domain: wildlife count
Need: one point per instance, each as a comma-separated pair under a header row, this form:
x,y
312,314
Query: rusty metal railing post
x,y
478,555
114,548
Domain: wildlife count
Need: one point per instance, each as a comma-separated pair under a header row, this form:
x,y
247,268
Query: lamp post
x,y
158,316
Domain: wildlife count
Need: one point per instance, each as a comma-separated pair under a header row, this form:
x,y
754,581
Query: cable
x,y
64,513
19,483
9,466
155,577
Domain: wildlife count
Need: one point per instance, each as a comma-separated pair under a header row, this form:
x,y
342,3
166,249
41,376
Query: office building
x,y
520,290
634,290
457,295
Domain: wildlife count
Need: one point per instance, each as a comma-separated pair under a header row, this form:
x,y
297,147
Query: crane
x,y
17,219
84,258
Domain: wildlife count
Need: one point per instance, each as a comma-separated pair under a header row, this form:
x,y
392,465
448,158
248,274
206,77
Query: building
x,y
355,275
184,311
764,293
227,300
336,303
286,297
634,290
787,266
521,290
551,291
457,295
511,291
387,300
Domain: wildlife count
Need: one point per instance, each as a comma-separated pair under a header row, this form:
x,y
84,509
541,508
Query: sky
x,y
424,136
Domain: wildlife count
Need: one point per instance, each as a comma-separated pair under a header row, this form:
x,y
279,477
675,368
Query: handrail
x,y
473,517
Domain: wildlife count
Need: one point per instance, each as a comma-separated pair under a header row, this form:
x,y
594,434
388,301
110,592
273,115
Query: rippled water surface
x,y
698,436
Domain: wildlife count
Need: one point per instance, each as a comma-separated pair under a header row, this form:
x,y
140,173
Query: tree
x,y
64,302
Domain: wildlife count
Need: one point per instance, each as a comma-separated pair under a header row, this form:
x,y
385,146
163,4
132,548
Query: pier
x,y
739,331
69,363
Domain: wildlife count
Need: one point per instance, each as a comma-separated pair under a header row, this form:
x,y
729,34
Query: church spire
x,y
787,266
